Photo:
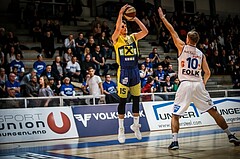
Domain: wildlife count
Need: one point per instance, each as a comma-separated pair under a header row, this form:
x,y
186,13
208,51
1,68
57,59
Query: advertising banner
x,y
32,124
159,113
103,119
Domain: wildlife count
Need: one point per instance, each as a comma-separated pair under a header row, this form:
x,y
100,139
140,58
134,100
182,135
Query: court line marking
x,y
44,149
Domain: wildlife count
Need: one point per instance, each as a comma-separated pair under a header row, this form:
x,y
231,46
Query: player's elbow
x,y
146,31
207,73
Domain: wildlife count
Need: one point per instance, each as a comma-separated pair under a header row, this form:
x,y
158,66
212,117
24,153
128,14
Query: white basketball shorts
x,y
188,92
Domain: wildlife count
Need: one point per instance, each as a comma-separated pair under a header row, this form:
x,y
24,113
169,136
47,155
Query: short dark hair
x,y
89,68
107,75
150,79
167,57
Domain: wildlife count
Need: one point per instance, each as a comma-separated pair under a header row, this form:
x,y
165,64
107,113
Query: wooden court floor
x,y
207,142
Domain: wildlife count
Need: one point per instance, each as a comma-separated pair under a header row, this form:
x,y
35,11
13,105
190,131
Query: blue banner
x,y
103,119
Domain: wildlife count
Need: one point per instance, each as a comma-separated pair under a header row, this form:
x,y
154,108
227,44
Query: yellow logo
x,y
128,51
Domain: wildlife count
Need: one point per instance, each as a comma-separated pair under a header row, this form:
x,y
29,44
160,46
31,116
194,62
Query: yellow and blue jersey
x,y
127,55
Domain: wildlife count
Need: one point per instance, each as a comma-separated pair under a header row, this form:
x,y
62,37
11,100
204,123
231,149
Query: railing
x,y
30,102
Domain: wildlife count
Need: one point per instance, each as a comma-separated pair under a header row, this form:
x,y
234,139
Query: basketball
x,y
130,13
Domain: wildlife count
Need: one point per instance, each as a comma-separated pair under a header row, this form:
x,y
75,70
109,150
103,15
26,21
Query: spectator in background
x,y
148,88
55,88
165,63
159,76
176,85
99,61
146,22
144,74
221,39
48,47
3,80
57,31
232,57
229,44
67,89
154,25
47,27
48,72
73,69
2,58
224,61
97,30
11,55
171,73
37,31
111,48
110,90
148,65
19,65
94,83
154,57
215,63
84,87
182,30
86,51
26,78
105,28
12,102
95,22
32,87
80,45
45,91
39,65
236,74
106,50
15,71
91,44
87,63
12,41
165,41
32,90
2,38
167,87
68,55
69,43
58,67
13,83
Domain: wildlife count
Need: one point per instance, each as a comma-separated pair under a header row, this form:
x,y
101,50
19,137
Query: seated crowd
x,y
79,55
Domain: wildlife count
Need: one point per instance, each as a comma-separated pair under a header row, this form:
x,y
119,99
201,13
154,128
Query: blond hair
x,y
193,37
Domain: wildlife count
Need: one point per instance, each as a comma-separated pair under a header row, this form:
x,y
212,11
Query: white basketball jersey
x,y
190,64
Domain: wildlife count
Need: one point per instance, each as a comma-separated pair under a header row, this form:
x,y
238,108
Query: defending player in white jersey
x,y
191,62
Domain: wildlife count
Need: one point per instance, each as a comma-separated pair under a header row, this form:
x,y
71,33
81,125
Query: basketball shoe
x,y
173,145
121,135
136,131
233,139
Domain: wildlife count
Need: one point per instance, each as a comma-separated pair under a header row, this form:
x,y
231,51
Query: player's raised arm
x,y
118,24
143,30
177,41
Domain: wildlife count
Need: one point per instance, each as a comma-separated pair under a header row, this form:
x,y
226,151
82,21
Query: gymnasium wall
x,y
225,7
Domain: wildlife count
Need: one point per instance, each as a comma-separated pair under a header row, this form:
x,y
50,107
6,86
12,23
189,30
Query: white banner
x,y
32,124
159,113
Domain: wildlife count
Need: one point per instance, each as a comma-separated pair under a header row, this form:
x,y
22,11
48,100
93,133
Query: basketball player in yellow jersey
x,y
128,77
191,62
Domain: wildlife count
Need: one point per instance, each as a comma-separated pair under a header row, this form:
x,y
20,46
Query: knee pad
x,y
135,106
121,106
